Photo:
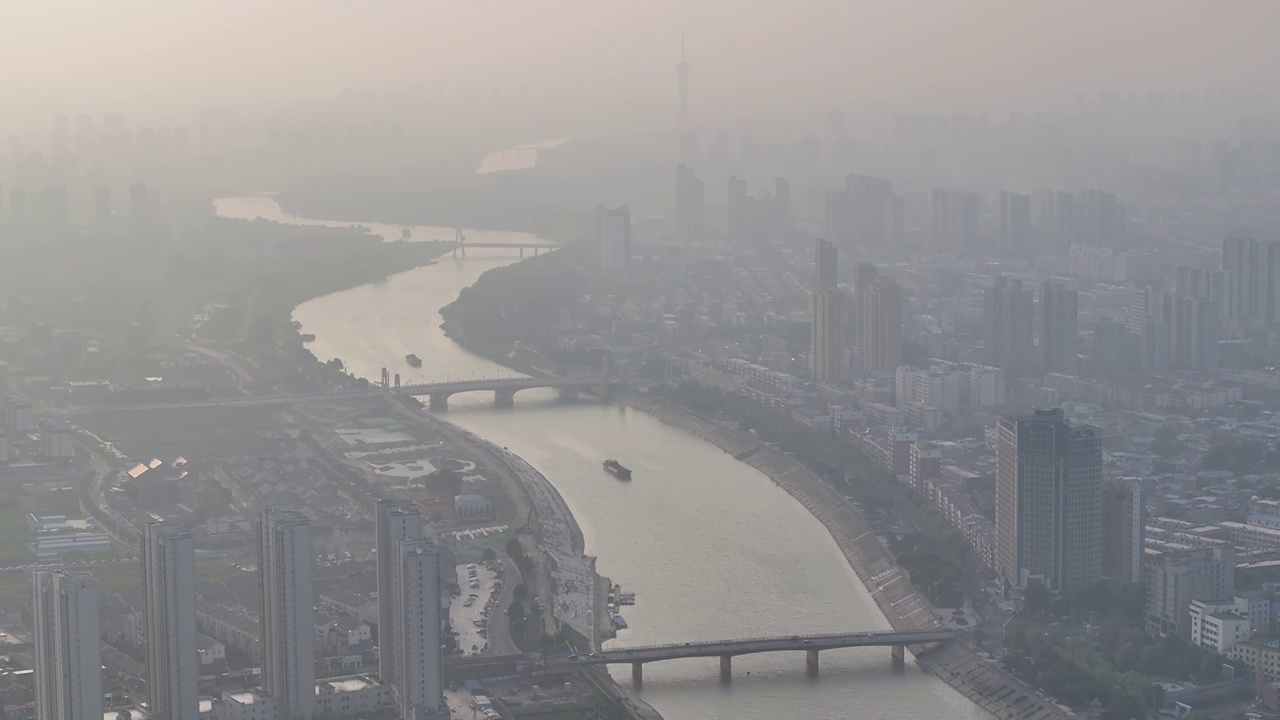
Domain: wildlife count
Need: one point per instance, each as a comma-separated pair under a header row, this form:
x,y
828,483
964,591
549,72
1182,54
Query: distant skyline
x,y
159,58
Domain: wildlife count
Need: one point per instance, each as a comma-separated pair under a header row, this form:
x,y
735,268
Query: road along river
x,y
711,547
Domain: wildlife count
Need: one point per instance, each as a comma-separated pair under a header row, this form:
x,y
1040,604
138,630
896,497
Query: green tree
x,y
1126,657
443,483
1037,600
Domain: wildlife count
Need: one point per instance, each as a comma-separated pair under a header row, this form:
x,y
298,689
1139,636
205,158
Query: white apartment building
x,y
288,629
417,603
67,646
169,622
1217,626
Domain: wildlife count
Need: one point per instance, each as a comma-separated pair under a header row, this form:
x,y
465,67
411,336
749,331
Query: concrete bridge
x,y
504,389
460,246
726,650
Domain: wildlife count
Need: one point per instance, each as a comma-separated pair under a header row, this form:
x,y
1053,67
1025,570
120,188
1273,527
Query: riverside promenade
x,y
985,683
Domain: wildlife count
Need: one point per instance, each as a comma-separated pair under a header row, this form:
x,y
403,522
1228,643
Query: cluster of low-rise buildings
x,y
1062,497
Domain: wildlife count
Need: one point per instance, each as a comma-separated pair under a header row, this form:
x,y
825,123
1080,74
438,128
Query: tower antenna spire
x,y
686,136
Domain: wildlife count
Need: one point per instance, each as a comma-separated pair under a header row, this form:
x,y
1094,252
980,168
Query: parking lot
x,y
469,612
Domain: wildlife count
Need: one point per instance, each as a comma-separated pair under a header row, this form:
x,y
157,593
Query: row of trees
x,y
519,302
1111,668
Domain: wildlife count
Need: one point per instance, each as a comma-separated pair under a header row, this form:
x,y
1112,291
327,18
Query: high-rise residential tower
x,y
736,202
395,521
169,622
1101,219
288,631
1123,530
864,273
611,230
1008,310
1015,224
827,352
873,210
416,602
1194,328
953,219
1255,295
1058,314
781,206
1053,214
880,326
68,646
1149,318
1048,501
691,206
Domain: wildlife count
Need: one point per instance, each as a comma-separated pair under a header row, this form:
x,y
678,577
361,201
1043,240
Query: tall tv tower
x,y
688,140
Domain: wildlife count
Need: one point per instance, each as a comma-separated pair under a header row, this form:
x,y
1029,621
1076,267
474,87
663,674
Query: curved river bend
x,y
711,547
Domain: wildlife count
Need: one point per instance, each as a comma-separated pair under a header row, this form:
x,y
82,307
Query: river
x,y
516,158
711,547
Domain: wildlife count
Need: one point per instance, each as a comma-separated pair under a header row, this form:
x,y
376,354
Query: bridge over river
x,y
503,389
726,650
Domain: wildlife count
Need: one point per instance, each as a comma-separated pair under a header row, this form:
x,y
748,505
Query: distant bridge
x,y
522,246
460,244
726,650
504,389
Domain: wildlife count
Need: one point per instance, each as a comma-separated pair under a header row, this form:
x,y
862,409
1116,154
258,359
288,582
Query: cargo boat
x,y
615,468
413,360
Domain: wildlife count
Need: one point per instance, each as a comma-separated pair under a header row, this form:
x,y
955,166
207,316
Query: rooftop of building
x,y
353,683
247,697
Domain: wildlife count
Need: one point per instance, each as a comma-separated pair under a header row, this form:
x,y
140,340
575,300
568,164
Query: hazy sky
x,y
150,56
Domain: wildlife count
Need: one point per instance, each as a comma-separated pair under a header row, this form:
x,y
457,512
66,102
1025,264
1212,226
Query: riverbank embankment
x,y
576,591
905,608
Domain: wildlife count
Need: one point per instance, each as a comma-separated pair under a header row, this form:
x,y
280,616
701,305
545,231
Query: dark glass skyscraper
x,y
1048,501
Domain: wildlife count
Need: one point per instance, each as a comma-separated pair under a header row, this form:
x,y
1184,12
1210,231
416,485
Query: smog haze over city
x,y
625,360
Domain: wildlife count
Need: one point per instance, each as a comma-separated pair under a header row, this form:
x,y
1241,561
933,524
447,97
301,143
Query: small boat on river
x,y
616,469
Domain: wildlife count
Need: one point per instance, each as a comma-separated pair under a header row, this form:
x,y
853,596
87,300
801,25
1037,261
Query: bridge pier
x,y
637,675
899,655
811,662
521,251
504,398
568,395
438,403
726,668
